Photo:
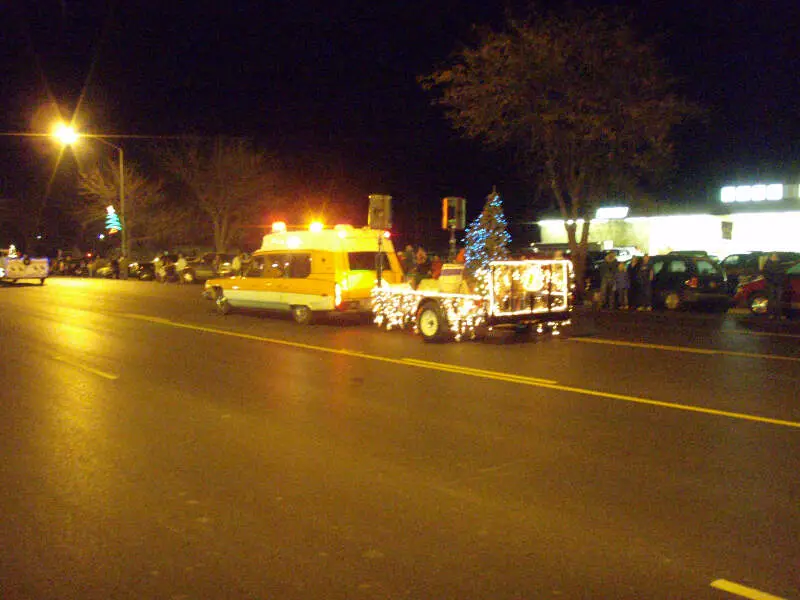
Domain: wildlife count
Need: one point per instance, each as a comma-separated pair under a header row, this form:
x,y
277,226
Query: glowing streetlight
x,y
65,134
68,136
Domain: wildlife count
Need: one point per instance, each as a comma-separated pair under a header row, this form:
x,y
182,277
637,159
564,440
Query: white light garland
x,y
522,291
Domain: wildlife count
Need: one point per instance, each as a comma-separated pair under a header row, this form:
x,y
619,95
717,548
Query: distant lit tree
x,y
148,216
586,105
486,238
231,183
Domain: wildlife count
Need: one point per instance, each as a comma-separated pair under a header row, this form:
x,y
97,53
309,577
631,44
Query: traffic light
x,y
380,212
454,211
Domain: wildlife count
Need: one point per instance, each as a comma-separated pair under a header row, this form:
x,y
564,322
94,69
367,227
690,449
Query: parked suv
x,y
681,280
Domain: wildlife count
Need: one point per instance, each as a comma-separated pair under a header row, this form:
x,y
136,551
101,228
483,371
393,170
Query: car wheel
x,y
758,303
431,323
302,315
221,303
672,300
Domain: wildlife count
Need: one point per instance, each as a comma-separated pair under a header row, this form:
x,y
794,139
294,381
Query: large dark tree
x,y
587,106
232,184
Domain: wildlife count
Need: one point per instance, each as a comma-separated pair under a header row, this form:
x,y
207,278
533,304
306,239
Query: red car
x,y
753,294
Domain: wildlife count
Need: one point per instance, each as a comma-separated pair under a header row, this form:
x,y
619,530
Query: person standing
x,y
608,272
644,276
180,266
236,264
622,284
773,277
633,280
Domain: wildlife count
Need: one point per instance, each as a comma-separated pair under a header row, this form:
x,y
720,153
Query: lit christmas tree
x,y
486,237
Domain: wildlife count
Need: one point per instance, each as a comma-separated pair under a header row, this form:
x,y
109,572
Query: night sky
x,y
330,87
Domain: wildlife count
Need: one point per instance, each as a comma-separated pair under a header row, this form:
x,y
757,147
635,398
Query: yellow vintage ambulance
x,y
310,272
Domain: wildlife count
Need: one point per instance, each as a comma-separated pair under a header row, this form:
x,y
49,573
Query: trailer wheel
x,y
431,323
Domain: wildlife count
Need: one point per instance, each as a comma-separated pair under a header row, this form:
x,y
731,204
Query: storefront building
x,y
743,218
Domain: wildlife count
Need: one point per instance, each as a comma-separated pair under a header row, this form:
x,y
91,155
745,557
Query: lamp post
x,y
68,136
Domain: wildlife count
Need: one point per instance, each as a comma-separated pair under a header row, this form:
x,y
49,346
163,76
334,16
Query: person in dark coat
x,y
633,277
608,271
644,280
773,277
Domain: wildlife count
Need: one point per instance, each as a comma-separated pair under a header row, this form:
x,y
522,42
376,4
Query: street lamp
x,y
68,136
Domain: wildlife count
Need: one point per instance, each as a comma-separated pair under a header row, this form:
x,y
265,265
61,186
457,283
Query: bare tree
x,y
586,105
232,183
147,215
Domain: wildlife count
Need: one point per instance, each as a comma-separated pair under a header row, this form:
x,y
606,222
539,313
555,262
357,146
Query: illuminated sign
x,y
612,212
752,193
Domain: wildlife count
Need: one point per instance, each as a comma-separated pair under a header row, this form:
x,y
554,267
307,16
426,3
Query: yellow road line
x,y
497,375
476,372
764,333
685,349
743,591
83,367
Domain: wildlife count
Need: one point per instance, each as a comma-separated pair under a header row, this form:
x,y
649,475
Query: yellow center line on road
x,y
763,333
83,367
743,591
685,349
496,375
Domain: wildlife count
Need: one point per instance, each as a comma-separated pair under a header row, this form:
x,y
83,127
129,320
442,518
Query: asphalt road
x,y
152,449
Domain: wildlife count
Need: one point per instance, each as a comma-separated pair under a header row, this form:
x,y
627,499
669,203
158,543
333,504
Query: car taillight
x,y
692,283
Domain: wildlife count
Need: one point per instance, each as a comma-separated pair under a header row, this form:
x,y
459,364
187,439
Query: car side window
x,y
256,267
677,266
705,268
657,266
299,265
731,261
274,266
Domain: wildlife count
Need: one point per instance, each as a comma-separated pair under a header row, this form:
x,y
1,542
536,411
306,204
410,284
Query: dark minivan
x,y
680,281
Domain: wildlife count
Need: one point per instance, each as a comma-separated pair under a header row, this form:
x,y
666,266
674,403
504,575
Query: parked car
x,y
681,280
743,267
753,293
208,266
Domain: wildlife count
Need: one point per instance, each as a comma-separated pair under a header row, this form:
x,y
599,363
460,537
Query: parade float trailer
x,y
523,294
14,267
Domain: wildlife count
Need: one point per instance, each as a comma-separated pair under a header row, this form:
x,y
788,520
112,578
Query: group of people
x,y
418,265
624,286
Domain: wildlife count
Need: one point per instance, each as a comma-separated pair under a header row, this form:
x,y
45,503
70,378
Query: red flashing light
x,y
692,283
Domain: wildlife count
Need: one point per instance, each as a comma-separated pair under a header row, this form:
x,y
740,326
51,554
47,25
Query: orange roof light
x,y
279,227
316,227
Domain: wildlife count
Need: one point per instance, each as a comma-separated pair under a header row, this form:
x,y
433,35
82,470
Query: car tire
x,y
672,301
302,315
431,323
758,304
221,304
